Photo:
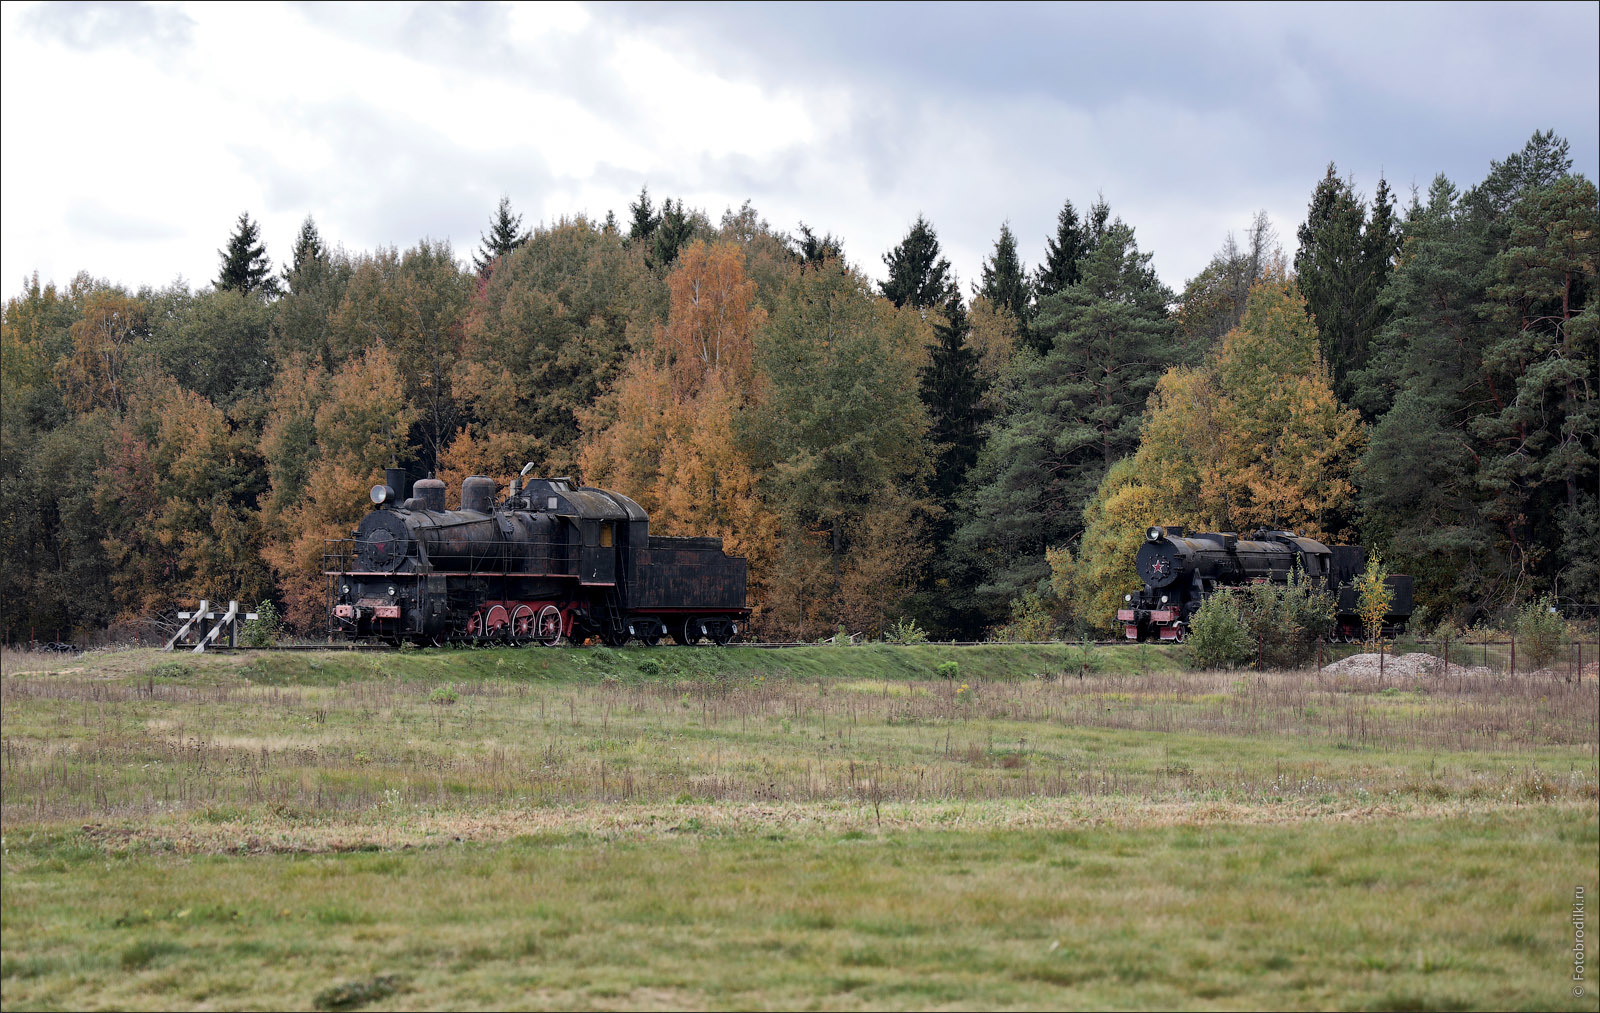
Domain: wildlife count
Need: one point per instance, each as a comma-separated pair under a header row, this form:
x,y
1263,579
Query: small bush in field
x,y
1539,630
1219,635
948,670
906,631
263,630
444,695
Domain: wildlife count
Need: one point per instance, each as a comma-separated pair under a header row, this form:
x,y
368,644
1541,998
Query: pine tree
x,y
505,235
1481,477
308,249
245,267
1062,253
1066,416
918,275
1005,283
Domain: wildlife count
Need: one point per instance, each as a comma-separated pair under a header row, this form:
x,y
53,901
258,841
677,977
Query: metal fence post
x,y
1513,655
1380,655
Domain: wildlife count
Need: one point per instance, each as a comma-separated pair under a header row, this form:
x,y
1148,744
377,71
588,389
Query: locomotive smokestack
x,y
397,480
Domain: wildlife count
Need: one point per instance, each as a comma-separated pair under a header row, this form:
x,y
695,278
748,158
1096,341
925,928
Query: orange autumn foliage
x,y
663,434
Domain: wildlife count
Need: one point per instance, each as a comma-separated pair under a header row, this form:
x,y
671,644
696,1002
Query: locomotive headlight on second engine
x,y
1163,598
1127,597
391,590
1155,533
344,589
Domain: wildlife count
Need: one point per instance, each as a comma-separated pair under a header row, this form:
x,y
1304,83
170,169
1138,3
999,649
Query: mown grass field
x,y
817,827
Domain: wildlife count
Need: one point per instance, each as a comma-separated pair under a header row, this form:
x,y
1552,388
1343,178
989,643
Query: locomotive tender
x,y
546,562
1179,571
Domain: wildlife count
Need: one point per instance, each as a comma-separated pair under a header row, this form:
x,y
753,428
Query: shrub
x,y
1539,630
444,695
263,630
1030,620
948,670
1219,636
906,631
1287,620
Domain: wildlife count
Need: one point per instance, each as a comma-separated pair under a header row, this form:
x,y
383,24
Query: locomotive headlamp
x,y
380,495
1127,597
344,589
1155,533
1163,598
391,592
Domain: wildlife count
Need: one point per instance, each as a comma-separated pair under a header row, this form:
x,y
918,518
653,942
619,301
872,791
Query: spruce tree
x,y
1335,272
505,234
245,267
813,249
674,230
1062,252
308,249
644,219
953,394
1005,283
918,275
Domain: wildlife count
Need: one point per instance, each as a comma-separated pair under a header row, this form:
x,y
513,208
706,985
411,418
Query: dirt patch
x,y
636,822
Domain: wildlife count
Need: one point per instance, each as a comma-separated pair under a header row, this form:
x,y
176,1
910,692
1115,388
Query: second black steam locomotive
x,y
545,562
1180,570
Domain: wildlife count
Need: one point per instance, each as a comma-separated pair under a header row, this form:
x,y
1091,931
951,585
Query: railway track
x,y
765,646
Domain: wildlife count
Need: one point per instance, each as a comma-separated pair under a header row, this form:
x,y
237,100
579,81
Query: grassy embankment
x,y
821,826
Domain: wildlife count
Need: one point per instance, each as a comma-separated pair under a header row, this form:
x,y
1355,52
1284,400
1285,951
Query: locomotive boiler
x,y
542,562
1180,570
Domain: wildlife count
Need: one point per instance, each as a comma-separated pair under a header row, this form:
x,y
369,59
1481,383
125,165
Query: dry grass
x,y
829,828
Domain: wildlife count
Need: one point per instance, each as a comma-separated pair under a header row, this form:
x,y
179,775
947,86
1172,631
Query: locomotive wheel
x,y
723,631
523,622
687,632
497,624
547,627
651,641
614,638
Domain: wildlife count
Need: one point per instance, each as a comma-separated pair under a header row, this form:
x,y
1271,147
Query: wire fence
x,y
1567,659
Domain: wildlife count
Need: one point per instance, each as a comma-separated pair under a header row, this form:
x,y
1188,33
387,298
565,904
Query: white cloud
x,y
133,136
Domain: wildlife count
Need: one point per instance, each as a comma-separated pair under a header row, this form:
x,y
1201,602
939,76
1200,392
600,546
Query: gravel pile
x,y
1414,664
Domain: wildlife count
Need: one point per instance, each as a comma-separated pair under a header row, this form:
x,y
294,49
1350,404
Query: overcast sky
x,y
133,135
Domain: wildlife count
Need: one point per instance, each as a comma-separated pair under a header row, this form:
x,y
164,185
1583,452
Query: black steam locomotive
x,y
544,563
1180,570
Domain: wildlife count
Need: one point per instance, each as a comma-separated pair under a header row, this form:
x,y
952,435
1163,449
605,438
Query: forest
x,y
1418,374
